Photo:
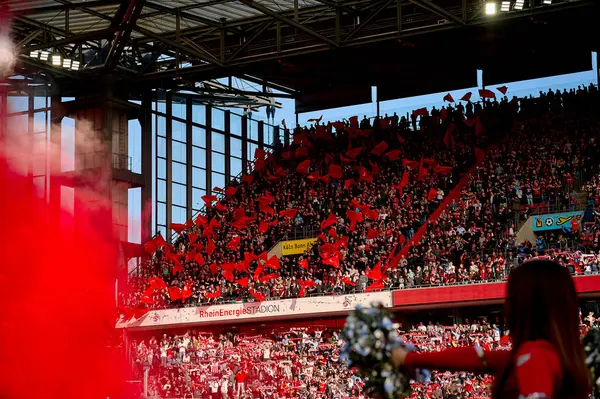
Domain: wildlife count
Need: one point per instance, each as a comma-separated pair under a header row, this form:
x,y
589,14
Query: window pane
x,y
218,162
39,102
179,195
39,122
253,129
218,119
161,165
161,194
199,114
235,124
178,151
251,148
236,166
161,213
179,215
199,136
235,147
162,147
179,108
199,178
218,142
161,126
162,230
179,131
17,103
218,180
179,171
198,157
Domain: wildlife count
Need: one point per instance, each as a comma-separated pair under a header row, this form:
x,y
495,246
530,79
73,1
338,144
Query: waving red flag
x,y
303,166
349,183
375,273
289,213
502,89
157,283
199,260
177,266
432,194
354,152
257,295
263,227
220,207
213,295
393,155
372,233
348,282
485,93
247,179
335,171
243,282
209,199
200,220
314,176
379,148
448,97
466,97
177,227
330,221
273,263
210,247
186,292
259,153
257,272
174,293
267,277
331,260
303,264
230,192
376,286
266,209
234,244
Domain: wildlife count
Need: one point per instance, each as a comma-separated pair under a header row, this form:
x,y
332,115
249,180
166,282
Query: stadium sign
x,y
296,247
259,311
553,221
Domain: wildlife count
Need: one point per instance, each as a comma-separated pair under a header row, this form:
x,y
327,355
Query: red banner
x,y
473,293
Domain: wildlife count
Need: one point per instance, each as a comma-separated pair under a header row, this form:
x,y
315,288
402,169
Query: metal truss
x,y
196,43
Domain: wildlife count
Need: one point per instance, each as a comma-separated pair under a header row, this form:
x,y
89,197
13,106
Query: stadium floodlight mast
x,y
505,6
56,59
490,8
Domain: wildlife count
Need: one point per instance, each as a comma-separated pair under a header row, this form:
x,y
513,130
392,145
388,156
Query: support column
x,y
209,185
244,143
227,138
169,138
188,159
147,159
261,134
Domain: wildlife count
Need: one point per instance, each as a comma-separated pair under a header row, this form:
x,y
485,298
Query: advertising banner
x,y
296,247
259,311
553,221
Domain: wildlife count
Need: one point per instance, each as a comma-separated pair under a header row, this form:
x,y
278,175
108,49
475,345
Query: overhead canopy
x,y
325,53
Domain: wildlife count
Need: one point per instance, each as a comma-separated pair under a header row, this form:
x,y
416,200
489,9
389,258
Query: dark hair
x,y
541,304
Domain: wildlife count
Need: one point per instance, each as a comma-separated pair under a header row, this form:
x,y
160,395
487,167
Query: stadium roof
x,y
300,47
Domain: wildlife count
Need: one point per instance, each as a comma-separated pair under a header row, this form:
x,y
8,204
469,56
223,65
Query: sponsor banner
x,y
259,311
296,247
555,221
460,295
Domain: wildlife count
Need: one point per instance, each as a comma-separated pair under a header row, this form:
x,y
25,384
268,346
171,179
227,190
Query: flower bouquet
x,y
370,336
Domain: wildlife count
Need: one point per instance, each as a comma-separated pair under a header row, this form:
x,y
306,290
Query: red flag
x,y
266,209
214,268
210,247
443,170
485,93
448,97
230,192
376,286
348,282
330,221
372,214
303,264
267,277
448,137
371,234
209,199
257,295
410,164
380,148
393,155
331,260
193,238
302,168
289,213
333,233
375,273
218,190
177,266
404,180
177,227
273,263
259,153
243,282
348,183
220,207
432,194
466,97
213,295
186,292
354,152
247,179
355,216
502,89
199,260
335,171
201,220
263,227
234,244
157,283
174,293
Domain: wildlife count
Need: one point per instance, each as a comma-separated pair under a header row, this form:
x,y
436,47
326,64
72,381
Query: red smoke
x,y
57,306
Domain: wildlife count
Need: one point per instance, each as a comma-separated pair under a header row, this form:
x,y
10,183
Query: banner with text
x,y
555,221
259,311
296,247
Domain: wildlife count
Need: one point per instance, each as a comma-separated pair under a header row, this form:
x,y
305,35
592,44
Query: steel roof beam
x,y
364,23
124,32
434,8
73,39
67,4
279,17
251,39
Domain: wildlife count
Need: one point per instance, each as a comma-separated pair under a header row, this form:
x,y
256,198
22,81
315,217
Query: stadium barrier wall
x,y
472,294
258,311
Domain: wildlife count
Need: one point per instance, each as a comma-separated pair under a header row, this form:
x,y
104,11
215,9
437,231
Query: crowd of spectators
x,y
388,183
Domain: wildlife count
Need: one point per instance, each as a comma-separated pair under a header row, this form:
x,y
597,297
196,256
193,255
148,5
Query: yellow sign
x,y
296,247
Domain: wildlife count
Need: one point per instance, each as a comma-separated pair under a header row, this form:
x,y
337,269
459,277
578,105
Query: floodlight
x,y
44,55
56,59
75,65
490,8
519,4
505,6
547,2
34,54
66,63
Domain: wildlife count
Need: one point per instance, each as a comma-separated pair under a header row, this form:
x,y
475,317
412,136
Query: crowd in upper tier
x,y
366,189
299,363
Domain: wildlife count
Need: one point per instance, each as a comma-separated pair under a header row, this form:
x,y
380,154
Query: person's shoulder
x,y
533,355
